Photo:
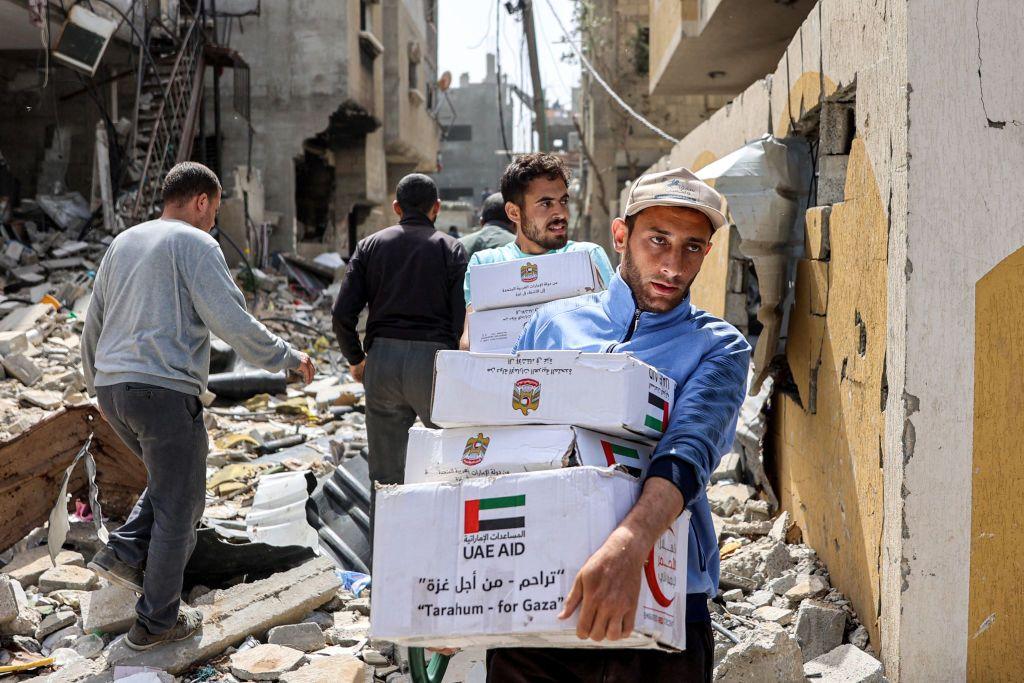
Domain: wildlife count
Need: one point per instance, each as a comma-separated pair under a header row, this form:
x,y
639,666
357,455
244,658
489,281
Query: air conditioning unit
x,y
83,40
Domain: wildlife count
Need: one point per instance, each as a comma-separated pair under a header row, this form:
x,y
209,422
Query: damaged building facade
x,y
892,435
338,116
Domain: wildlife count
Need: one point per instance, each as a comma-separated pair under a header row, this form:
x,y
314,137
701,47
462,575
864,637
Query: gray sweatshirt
x,y
161,288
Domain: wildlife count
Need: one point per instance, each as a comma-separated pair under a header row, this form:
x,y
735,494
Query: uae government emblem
x,y
476,447
528,272
526,395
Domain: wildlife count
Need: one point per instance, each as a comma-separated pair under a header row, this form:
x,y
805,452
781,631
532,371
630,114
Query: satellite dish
x,y
445,81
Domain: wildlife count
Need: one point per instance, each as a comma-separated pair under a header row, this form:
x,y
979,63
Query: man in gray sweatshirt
x,y
161,288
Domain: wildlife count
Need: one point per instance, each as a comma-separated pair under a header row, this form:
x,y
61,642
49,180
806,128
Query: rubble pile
x,y
776,600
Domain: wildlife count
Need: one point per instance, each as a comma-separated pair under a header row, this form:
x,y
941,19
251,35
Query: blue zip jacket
x,y
707,357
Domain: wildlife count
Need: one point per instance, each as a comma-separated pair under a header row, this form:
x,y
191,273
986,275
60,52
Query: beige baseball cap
x,y
677,187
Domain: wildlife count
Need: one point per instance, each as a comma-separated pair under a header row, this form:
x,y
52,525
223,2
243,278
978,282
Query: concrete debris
x,y
8,600
776,614
27,619
845,664
819,628
22,369
111,609
806,587
88,646
304,637
55,621
67,577
767,654
337,669
265,662
27,566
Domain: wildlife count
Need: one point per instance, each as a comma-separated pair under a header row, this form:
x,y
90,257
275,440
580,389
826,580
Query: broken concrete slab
x,y
807,586
111,609
778,615
27,566
233,614
819,628
27,620
767,653
845,664
777,560
8,600
25,318
305,637
67,577
349,628
55,621
22,368
337,669
12,343
63,638
47,400
88,646
265,662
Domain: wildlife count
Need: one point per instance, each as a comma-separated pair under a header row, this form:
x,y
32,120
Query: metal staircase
x,y
170,89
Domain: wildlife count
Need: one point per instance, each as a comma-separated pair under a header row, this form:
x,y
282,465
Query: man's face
x,y
544,217
662,255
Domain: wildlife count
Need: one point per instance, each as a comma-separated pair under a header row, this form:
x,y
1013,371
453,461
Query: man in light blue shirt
x,y
535,188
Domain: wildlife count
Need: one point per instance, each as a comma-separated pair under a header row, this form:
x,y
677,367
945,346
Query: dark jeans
x,y
552,665
399,380
165,429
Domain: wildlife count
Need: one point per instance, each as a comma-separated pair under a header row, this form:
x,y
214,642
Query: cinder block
x,y
816,243
832,178
836,128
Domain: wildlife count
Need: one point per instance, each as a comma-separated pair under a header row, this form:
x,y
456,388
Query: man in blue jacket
x,y
669,220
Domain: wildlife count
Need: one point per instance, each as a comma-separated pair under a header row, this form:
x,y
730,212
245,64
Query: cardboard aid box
x,y
612,393
498,330
533,280
454,454
490,561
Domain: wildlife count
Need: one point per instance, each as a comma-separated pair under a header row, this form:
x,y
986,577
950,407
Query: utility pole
x,y
540,115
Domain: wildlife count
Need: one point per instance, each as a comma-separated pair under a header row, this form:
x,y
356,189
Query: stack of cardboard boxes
x,y
506,294
539,458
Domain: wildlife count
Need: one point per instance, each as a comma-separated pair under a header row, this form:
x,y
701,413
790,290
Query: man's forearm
x,y
659,505
348,341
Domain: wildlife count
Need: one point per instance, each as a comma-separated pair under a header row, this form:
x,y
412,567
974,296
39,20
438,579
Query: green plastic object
x,y
424,672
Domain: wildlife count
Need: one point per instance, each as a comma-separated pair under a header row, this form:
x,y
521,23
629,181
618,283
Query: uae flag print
x,y
493,514
617,454
657,413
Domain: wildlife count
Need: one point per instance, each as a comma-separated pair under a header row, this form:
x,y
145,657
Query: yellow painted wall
x,y
709,289
828,464
996,612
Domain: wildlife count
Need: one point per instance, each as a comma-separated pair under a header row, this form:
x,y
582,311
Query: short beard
x,y
538,235
631,276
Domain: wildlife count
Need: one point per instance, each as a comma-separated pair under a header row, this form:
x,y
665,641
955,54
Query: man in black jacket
x,y
411,276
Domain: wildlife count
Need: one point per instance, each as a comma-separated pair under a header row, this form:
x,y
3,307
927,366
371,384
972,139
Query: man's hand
x,y
607,588
306,368
357,370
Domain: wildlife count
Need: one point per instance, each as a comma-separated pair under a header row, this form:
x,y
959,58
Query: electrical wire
x,y
607,88
488,25
501,98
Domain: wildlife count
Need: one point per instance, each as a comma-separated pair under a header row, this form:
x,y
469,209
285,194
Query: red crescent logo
x,y
652,582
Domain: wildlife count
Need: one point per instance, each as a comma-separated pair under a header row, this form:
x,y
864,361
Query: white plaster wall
x,y
965,207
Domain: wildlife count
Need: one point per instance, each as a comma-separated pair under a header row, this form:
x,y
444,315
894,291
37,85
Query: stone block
x,y
26,566
55,621
337,669
67,577
304,637
111,609
807,586
265,662
27,619
47,400
22,368
845,664
819,628
8,600
12,343
766,653
776,561
780,616
816,244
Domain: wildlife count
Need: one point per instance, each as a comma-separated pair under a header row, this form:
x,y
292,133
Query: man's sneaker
x,y
106,564
190,620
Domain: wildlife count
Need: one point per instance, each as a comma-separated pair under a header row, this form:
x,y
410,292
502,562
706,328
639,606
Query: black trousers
x,y
552,665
